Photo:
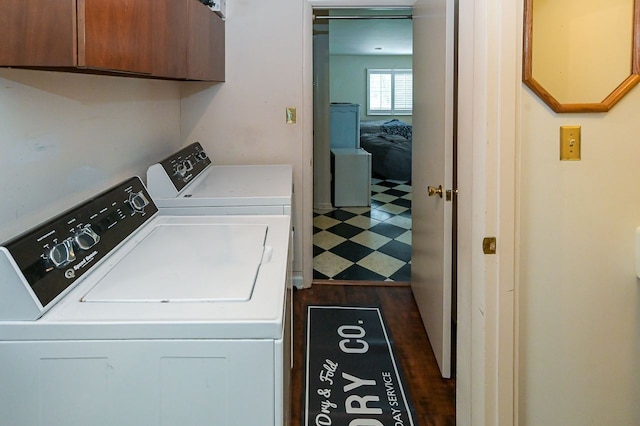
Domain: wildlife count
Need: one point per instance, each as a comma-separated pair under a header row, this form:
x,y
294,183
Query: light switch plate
x,y
291,115
570,143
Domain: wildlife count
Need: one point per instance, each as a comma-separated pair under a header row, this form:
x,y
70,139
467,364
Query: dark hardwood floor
x,y
433,398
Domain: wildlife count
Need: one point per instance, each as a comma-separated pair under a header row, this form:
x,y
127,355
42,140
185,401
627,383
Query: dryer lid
x,y
229,185
186,263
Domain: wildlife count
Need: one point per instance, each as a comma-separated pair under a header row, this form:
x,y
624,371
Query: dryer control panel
x,y
185,165
53,256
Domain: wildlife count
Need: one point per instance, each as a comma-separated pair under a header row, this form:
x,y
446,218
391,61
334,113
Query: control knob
x,y
201,155
181,169
138,201
62,254
86,238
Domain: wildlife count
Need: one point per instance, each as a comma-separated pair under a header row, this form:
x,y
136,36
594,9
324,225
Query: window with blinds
x,y
389,92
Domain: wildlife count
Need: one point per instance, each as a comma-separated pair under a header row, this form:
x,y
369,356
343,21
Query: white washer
x,y
188,183
111,314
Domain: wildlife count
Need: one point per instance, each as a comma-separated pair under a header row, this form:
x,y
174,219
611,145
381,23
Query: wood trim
x,y
75,33
635,60
624,88
81,34
527,49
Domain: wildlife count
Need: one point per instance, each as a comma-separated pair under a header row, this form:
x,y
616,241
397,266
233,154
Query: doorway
x,y
488,90
362,144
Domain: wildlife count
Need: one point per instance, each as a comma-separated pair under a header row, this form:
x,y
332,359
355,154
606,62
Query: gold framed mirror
x,y
581,55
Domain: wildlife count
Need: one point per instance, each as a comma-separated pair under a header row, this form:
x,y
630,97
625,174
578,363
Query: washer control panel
x,y
55,254
185,165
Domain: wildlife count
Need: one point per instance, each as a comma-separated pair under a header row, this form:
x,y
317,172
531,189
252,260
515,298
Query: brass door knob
x,y
432,190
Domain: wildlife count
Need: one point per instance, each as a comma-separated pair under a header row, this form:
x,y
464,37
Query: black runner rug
x,y
352,378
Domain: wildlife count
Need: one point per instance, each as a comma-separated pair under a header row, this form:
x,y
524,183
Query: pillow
x,y
397,127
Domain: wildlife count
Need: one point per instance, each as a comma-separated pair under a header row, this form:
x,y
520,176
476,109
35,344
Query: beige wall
x,y
579,306
65,137
242,121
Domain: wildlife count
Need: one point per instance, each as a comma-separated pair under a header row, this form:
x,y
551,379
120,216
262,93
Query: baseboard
x,y
324,206
298,282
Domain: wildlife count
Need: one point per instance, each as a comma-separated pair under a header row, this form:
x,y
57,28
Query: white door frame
x,y
489,35
489,82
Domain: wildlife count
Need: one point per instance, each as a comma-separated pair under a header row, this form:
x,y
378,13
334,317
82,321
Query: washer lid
x,y
187,263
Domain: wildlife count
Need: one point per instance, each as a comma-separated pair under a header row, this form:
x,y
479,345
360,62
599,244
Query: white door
x,y
433,121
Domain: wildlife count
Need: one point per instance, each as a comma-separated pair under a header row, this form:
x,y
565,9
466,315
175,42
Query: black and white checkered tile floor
x,y
366,243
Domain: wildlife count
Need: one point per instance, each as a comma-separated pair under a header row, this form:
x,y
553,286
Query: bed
x,y
389,143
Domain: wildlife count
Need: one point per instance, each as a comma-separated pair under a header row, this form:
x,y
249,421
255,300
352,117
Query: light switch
x,y
570,143
291,115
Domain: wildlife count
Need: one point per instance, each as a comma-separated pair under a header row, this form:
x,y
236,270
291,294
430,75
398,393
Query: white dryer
x,y
111,314
188,183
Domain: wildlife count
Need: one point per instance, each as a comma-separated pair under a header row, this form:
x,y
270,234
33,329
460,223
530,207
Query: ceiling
x,y
370,36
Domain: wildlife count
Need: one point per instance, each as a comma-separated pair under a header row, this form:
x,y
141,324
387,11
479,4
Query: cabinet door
x,y
170,37
115,35
205,53
38,34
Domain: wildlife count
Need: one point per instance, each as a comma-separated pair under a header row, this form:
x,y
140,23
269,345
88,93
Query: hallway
x,y
433,398
366,243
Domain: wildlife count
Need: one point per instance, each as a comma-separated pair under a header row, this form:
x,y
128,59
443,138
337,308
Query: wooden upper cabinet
x,y
115,35
175,39
170,36
38,34
189,41
206,49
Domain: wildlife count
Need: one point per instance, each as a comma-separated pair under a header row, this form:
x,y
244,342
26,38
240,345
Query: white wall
x,y
579,308
349,79
321,122
242,121
65,137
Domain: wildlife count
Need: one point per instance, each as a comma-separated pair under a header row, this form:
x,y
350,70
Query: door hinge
x,y
489,245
